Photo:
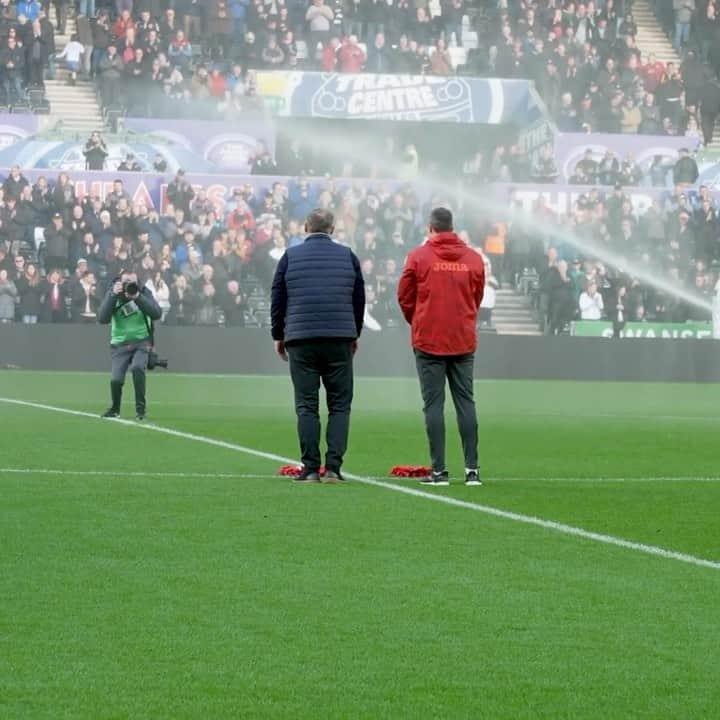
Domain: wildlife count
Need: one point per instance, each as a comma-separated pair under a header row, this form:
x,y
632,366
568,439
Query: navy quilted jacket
x,y
318,292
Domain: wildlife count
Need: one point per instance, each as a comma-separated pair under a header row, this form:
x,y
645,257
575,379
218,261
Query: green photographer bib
x,y
128,324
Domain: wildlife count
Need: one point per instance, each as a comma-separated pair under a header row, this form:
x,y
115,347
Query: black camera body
x,y
131,288
154,360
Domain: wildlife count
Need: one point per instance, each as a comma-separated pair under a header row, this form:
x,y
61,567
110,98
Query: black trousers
x,y
433,371
133,357
708,126
329,362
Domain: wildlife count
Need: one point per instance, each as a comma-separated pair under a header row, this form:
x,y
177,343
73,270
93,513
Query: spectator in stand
x,y
85,301
14,183
631,117
63,195
30,292
12,63
36,56
161,292
180,52
54,298
272,54
8,295
489,297
709,109
685,171
182,303
111,69
652,73
440,62
329,57
544,169
591,303
123,21
233,304
684,12
95,152
61,14
562,300
319,18
72,53
180,192
102,38
351,57
57,244
379,59
619,312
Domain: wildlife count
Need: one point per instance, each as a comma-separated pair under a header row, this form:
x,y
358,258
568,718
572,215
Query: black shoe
x,y
436,479
472,478
140,417
305,478
332,477
111,413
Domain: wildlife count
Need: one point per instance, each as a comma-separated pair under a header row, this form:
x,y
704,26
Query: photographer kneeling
x,y
131,310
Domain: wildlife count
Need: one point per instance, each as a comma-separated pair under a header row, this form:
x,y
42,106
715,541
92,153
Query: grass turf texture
x,y
157,597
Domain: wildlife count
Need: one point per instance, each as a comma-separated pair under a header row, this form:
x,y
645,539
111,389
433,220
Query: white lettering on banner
x,y
428,98
562,202
390,102
355,106
363,83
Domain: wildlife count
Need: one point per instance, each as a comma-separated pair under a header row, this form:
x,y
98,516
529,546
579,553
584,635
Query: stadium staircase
x,y
513,314
651,37
76,106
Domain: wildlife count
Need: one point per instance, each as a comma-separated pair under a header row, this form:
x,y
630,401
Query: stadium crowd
x,y
597,258
205,263
584,59
212,263
191,58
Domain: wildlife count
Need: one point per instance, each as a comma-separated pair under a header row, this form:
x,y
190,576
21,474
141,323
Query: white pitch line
x,y
435,497
136,474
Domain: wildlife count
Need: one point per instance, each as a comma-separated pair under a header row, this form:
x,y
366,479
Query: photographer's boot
x,y
139,384
116,398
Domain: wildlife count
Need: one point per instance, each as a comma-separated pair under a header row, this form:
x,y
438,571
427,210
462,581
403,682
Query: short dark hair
x,y
441,220
320,221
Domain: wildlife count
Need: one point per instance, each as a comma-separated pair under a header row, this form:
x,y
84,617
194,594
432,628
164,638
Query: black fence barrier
x,y
387,354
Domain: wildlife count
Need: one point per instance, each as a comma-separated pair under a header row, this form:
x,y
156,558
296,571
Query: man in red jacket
x,y
440,292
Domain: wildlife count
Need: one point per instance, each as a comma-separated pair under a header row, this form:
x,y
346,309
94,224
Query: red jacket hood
x,y
447,245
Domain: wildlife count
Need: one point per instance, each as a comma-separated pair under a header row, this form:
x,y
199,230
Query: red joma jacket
x,y
440,292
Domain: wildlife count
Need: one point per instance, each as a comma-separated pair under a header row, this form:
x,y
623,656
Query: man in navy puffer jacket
x,y
318,304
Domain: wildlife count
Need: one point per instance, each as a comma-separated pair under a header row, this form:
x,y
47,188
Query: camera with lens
x,y
154,360
131,287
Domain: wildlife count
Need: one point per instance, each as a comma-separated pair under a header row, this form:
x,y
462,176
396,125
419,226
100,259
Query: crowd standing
x,y
676,239
212,263
186,57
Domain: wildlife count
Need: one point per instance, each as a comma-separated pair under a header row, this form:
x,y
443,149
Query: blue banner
x,y
419,98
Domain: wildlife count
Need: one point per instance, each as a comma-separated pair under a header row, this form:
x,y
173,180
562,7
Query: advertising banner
x,y
418,98
227,147
150,189
570,148
666,331
14,128
561,198
194,145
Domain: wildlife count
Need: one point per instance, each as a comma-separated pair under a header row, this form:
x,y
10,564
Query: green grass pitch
x,y
146,575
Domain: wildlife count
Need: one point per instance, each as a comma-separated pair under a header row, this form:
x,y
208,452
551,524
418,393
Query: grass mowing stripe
x,y
260,476
445,499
